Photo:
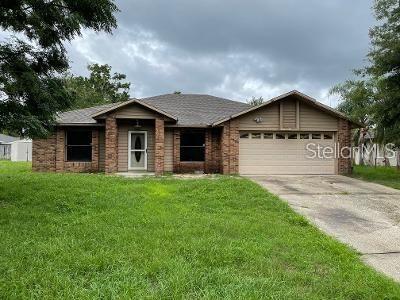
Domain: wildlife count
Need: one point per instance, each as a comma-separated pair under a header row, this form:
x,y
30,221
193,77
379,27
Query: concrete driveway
x,y
364,215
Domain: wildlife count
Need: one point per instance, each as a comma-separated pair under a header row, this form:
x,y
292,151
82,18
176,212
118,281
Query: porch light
x,y
137,125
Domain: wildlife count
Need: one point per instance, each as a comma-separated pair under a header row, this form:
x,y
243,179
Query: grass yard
x,y
388,176
95,236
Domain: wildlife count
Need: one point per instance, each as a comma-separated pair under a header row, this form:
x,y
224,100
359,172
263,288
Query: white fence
x,y
21,150
5,151
375,155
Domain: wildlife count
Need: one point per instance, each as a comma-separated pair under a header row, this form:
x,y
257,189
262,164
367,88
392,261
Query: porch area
x,y
146,147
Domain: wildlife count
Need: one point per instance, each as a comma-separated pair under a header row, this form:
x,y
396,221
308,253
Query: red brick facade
x,y
159,147
230,147
221,150
111,145
49,154
344,140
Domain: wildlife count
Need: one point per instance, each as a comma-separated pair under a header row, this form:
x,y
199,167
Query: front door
x,y
137,151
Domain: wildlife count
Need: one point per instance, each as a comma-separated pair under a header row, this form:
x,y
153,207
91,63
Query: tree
x,y
358,98
384,69
255,101
379,81
100,87
31,86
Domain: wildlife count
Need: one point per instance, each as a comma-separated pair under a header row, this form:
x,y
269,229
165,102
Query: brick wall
x,y
60,149
213,151
48,155
111,145
344,140
230,147
159,147
44,154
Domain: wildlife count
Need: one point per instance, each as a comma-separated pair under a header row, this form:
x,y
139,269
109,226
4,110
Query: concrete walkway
x,y
364,215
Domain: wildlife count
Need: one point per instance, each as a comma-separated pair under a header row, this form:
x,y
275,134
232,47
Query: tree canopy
x,y
100,87
32,88
375,95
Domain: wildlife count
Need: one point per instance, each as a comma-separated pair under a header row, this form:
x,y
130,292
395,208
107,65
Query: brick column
x,y
60,150
225,148
344,140
208,164
95,150
176,151
234,147
159,147
230,148
111,143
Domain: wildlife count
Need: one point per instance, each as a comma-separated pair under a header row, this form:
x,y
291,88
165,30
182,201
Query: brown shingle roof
x,y
193,109
189,109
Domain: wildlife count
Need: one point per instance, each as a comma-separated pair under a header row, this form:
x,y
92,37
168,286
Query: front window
x,y
192,145
78,145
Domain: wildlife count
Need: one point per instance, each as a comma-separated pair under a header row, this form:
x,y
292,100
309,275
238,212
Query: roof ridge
x,y
194,94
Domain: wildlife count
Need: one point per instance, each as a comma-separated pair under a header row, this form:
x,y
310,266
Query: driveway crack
x,y
381,253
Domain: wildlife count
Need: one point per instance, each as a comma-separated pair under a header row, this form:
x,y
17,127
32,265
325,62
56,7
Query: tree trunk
x,y
361,147
385,159
398,159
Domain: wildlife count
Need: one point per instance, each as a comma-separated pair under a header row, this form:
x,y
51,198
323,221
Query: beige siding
x,y
289,114
314,119
102,148
134,111
169,150
310,118
123,130
269,119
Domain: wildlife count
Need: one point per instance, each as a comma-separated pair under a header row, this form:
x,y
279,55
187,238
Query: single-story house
x,y
197,133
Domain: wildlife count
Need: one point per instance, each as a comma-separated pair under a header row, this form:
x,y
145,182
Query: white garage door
x,y
286,153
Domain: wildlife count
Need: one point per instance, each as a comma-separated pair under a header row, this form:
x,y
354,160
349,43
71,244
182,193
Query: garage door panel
x,y
282,156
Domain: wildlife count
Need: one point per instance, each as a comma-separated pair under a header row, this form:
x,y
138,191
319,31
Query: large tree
x,y
100,87
375,95
31,86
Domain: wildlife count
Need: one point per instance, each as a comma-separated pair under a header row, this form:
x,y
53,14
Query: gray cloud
x,y
235,49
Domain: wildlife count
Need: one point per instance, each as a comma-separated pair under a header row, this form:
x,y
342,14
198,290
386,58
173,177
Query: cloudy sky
x,y
232,48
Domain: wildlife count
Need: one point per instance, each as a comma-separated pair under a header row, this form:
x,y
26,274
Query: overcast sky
x,y
232,48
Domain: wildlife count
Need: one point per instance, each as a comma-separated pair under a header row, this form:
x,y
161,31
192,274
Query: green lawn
x,y
388,176
95,236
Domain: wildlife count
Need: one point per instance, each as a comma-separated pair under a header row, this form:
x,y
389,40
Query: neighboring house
x,y
196,133
5,145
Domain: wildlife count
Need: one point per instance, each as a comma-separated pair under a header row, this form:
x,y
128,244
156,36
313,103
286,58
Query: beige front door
x,y
284,153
